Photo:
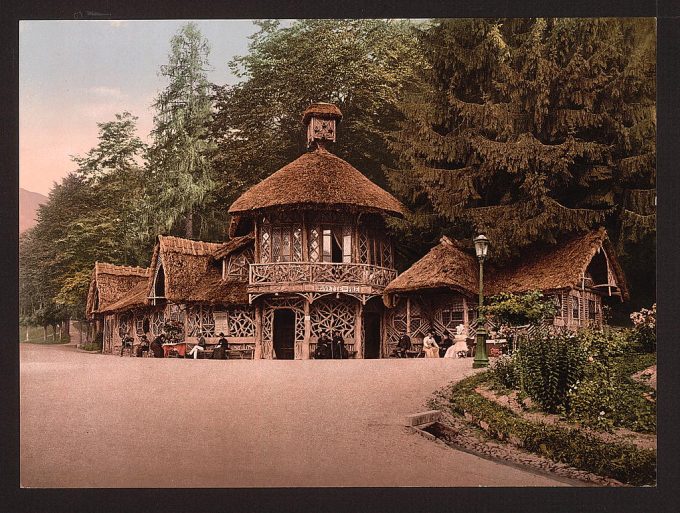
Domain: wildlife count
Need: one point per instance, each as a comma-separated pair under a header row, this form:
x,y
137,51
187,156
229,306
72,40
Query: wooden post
x,y
305,238
466,318
408,315
308,330
358,340
258,332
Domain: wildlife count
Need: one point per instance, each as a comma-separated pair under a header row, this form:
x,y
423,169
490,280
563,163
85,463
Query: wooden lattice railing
x,y
321,272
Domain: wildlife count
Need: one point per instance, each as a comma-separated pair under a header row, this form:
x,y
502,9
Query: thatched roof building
x,y
561,266
318,178
227,248
557,267
446,265
186,271
111,283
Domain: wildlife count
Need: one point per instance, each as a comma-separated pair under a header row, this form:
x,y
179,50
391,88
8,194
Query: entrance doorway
x,y
371,335
284,334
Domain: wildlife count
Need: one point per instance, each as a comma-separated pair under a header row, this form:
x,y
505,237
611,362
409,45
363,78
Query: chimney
x,y
321,120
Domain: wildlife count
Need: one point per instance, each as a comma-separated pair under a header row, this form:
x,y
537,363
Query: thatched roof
x,y
318,178
110,283
556,267
135,298
232,245
321,110
191,273
547,268
444,266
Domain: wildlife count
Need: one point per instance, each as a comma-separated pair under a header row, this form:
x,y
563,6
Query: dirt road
x,y
104,421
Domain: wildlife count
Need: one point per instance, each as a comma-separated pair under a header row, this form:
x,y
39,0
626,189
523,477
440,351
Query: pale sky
x,y
74,74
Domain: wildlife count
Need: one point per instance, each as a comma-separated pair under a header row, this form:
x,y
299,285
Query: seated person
x,y
430,347
126,342
200,347
323,349
338,349
220,351
403,346
445,344
157,346
143,346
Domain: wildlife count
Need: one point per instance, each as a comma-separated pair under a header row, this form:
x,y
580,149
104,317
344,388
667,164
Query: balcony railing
x,y
320,273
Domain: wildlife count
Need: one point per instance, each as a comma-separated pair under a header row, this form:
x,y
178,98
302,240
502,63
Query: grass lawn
x,y
36,335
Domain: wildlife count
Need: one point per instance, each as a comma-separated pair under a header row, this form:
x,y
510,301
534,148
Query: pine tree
x,y
529,129
180,171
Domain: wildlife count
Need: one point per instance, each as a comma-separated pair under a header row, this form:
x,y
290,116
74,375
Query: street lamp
x,y
481,359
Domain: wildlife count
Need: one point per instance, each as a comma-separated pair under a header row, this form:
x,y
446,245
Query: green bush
x,y
505,371
549,365
624,462
92,346
644,329
520,309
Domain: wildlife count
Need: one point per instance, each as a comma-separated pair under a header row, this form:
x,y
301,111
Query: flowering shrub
x,y
644,328
505,371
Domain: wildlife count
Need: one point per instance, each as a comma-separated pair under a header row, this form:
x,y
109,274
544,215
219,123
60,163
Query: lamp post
x,y
481,359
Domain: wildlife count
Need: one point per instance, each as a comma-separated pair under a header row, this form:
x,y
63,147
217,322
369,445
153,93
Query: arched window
x,y
159,283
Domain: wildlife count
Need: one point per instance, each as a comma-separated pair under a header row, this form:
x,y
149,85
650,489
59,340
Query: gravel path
x,y
102,421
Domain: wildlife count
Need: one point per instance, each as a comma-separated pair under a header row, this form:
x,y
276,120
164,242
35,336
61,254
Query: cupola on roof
x,y
318,178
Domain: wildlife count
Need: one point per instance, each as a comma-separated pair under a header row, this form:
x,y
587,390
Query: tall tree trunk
x,y
189,224
27,327
45,332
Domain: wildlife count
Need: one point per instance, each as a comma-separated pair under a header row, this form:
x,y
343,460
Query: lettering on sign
x,y
338,288
221,322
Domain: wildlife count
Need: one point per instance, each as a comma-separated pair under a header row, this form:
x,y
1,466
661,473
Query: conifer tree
x,y
530,129
180,170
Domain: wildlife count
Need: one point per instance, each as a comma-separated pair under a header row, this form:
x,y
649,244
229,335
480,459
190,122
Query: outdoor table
x,y
181,349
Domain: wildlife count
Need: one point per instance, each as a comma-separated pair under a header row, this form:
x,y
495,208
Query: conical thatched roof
x,y
547,268
110,283
557,267
191,273
444,266
318,178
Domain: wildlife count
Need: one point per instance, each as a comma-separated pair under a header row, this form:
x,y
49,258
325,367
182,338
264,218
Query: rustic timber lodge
x,y
309,251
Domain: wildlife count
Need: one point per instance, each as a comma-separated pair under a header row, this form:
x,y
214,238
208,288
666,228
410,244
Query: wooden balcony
x,y
323,277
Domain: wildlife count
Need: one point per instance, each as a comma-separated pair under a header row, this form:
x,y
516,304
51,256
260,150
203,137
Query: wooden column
x,y
305,239
358,339
466,318
256,247
308,330
258,332
408,315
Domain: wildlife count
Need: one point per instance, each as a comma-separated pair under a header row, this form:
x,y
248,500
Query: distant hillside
x,y
28,208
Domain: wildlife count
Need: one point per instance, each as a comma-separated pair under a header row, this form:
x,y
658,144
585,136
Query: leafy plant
x,y
644,328
520,309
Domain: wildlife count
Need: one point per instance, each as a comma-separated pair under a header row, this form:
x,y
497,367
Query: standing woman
x,y
430,347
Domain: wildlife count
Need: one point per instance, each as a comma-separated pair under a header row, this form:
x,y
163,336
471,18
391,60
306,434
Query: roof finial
x,y
321,120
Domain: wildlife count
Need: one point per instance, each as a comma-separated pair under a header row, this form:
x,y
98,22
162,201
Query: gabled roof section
x,y
557,267
318,178
191,273
110,283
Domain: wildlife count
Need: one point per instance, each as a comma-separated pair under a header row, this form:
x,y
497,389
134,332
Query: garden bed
x,y
619,460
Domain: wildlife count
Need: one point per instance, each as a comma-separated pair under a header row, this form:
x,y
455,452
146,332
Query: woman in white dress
x,y
430,347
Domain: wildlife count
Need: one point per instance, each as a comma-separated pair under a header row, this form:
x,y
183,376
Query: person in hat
x,y
323,347
220,352
200,347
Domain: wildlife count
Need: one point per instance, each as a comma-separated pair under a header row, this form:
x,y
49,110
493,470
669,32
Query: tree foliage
x,y
529,129
180,168
360,65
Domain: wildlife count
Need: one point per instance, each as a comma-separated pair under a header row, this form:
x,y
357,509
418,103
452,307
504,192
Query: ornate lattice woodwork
x,y
269,306
333,314
200,321
321,272
237,267
265,242
157,322
363,246
241,323
314,245
297,243
124,325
